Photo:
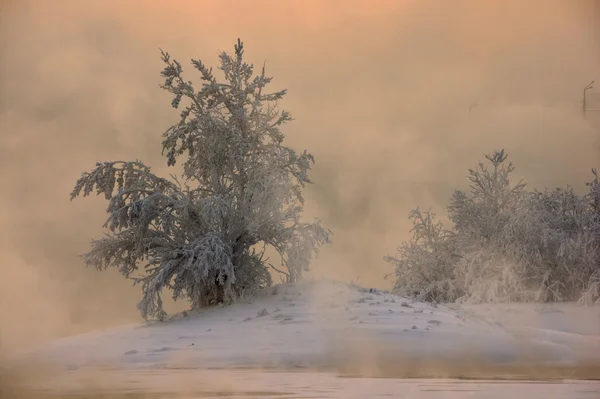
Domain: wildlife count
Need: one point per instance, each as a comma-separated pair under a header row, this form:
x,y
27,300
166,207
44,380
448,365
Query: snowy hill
x,y
325,324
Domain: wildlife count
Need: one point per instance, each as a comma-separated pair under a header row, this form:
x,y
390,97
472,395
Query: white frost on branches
x,y
507,244
240,191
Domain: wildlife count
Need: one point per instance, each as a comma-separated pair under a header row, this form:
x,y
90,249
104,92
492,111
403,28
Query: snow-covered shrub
x,y
203,235
484,271
509,244
424,265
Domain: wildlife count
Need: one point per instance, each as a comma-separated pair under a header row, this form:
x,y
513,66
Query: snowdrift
x,y
334,325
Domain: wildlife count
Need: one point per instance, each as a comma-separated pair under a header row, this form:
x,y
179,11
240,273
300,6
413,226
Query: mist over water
x,y
380,92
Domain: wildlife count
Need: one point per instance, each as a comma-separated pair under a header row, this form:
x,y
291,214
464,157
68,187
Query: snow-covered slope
x,y
323,324
566,324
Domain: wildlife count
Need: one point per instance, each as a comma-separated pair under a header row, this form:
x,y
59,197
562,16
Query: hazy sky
x,y
380,91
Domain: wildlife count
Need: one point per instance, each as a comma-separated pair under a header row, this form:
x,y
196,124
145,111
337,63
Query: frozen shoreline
x,y
299,340
321,324
237,383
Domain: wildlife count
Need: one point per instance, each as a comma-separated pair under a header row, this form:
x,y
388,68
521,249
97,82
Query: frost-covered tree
x,y
486,271
481,212
506,244
203,235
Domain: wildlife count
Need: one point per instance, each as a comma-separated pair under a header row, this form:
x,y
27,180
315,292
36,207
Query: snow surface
x,y
570,325
315,324
332,325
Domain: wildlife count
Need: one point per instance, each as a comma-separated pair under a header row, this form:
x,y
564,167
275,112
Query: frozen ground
x,y
336,328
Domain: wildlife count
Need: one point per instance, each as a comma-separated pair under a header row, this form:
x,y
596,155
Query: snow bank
x,y
325,324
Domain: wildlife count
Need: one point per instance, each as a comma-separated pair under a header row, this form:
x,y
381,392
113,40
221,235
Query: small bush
x,y
506,244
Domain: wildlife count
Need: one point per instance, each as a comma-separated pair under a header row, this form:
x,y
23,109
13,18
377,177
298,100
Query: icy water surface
x,y
190,384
